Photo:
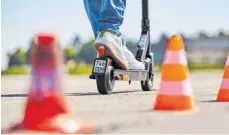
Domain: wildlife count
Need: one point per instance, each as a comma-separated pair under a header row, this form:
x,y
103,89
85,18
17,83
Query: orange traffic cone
x,y
175,91
46,110
223,94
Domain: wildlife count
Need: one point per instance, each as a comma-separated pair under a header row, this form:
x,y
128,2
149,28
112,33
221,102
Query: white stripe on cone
x,y
175,88
225,84
227,62
175,57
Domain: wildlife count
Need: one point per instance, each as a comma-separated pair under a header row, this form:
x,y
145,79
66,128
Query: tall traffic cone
x,y
223,94
46,109
175,91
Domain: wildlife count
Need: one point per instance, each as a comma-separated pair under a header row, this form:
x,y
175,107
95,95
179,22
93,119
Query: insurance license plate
x,y
100,66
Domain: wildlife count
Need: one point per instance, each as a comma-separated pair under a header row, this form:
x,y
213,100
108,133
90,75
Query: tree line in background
x,y
85,53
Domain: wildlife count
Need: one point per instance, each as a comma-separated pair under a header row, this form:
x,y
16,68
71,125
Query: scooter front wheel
x,y
105,83
148,84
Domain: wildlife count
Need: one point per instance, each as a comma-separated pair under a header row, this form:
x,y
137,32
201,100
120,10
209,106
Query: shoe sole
x,y
108,52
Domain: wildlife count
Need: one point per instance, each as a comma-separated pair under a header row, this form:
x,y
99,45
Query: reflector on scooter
x,y
101,50
125,77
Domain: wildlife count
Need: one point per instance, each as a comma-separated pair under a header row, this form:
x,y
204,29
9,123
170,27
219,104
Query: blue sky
x,y
23,18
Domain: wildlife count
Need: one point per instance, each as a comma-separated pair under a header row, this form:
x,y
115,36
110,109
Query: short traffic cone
x,y
46,109
175,91
223,94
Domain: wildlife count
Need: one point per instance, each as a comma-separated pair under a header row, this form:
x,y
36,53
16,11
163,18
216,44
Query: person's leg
x,y
111,15
93,8
106,17
110,20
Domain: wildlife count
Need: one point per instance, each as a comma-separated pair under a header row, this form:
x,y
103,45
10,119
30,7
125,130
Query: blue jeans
x,y
105,15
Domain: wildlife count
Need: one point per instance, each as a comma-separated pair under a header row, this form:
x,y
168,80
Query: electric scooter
x,y
105,71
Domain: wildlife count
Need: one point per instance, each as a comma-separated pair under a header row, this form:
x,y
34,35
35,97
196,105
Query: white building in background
x,y
209,50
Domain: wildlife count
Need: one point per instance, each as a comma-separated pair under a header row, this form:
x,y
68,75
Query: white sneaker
x,y
133,64
113,47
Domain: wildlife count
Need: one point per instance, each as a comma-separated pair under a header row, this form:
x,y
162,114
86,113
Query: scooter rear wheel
x,y
148,84
105,83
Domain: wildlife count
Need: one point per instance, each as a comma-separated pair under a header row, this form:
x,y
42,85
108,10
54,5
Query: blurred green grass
x,y
85,69
205,66
15,70
82,69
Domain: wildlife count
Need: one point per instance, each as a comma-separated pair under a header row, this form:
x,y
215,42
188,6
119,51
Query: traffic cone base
x,y
39,110
223,95
59,124
63,123
174,102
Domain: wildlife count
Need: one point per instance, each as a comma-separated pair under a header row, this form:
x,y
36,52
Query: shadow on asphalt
x,y
208,101
70,94
14,95
97,93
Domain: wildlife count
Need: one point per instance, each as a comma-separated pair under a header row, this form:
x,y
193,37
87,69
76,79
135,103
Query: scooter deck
x,y
128,75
